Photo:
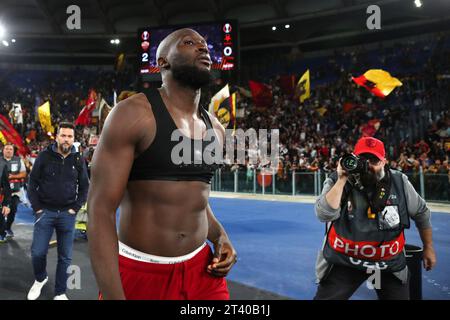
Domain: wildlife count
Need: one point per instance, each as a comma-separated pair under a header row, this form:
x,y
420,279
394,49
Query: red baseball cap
x,y
370,145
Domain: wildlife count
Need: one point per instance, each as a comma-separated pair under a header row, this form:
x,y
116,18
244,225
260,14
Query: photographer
x,y
366,207
16,175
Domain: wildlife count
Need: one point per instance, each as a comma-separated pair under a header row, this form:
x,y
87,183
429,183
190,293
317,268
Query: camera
x,y
353,164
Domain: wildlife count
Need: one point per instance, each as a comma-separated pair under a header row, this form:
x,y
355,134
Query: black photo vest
x,y
362,239
14,166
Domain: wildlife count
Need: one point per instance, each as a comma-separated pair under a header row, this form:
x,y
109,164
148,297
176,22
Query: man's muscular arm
x,y
224,253
110,169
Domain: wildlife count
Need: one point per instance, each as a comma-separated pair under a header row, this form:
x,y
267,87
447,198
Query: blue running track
x,y
277,244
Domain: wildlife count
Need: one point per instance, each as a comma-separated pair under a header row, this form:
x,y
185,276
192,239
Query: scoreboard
x,y
222,39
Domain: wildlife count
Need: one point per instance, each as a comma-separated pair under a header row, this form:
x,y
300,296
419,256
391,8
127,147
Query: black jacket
x,y
5,187
58,183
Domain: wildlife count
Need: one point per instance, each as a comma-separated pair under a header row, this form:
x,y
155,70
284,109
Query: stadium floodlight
x,y
287,26
274,28
5,43
13,40
418,3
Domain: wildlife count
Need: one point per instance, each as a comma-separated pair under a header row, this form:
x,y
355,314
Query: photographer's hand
x,y
342,174
334,196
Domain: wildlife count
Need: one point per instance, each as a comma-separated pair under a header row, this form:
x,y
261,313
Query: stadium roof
x,y
39,26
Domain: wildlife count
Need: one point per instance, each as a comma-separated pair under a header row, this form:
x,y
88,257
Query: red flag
x,y
348,106
362,81
12,136
84,118
287,84
370,128
31,136
261,93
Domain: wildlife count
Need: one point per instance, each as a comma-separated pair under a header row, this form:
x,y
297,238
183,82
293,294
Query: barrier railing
x,y
433,187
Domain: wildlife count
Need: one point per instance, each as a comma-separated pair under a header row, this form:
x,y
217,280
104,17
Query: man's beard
x,y
191,76
370,178
65,148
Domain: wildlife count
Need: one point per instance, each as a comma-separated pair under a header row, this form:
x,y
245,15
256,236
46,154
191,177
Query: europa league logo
x,y
145,35
227,28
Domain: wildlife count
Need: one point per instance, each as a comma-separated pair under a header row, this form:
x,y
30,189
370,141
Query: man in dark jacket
x,y
57,189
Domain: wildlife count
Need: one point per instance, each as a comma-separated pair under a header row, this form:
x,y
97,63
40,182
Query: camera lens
x,y
352,164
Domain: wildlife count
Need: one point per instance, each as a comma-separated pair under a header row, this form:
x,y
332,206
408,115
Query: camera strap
x,y
382,192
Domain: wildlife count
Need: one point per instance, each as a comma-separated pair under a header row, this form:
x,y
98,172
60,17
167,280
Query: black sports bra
x,y
156,163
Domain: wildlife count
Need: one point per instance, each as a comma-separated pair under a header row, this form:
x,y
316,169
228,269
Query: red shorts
x,y
186,280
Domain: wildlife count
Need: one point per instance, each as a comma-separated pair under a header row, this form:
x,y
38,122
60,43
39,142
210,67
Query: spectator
x,y
57,189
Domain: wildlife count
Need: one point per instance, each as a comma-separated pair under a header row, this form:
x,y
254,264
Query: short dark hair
x,y
67,125
9,144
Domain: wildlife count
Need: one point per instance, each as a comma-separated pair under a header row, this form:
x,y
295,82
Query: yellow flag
x,y
120,61
2,138
233,112
304,87
223,107
218,98
322,110
383,79
45,118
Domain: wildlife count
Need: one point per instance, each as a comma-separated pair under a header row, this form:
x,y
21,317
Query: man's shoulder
x,y
76,155
44,154
397,173
130,122
136,101
133,109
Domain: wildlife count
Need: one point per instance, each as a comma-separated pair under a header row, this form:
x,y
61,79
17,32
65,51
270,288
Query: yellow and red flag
x,y
11,135
378,81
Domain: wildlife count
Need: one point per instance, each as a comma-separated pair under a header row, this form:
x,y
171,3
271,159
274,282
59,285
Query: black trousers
x,y
2,225
12,214
342,282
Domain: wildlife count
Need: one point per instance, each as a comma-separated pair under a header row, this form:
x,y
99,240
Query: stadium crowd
x,y
413,121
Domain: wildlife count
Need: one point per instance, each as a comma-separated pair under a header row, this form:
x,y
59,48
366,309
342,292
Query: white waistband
x,y
133,254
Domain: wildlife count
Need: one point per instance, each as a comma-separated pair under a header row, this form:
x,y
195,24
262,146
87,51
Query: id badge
x,y
390,218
